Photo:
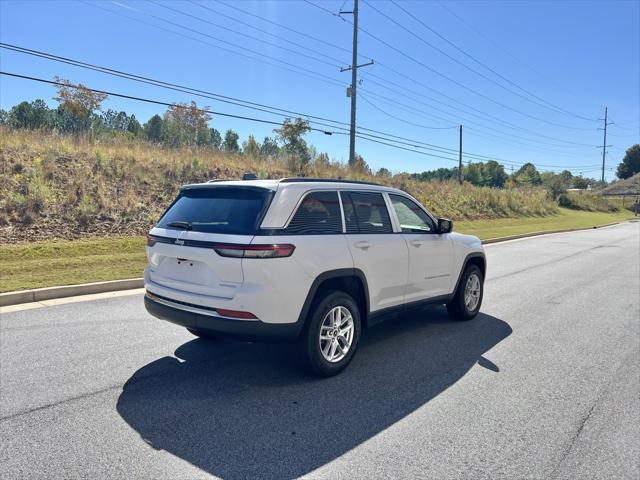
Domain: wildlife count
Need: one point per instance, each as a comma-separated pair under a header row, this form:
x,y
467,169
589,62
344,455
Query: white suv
x,y
311,260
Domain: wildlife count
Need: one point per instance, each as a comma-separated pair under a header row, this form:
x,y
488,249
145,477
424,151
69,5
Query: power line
x,y
326,10
479,62
384,112
480,113
214,96
241,50
417,144
280,25
311,57
163,84
235,101
399,73
212,112
464,65
412,109
158,102
446,77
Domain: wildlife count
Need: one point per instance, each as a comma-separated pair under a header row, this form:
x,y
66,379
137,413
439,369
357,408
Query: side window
x,y
366,213
319,213
411,217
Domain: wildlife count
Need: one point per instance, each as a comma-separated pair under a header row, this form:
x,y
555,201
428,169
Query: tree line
x,y
79,112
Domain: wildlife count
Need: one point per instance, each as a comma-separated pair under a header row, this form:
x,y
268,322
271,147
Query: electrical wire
x,y
479,62
446,77
225,99
266,59
245,35
158,102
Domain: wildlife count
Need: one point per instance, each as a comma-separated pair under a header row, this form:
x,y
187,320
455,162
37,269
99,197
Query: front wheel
x,y
468,297
332,334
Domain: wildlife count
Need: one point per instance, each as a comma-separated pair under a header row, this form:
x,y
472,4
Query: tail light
x,y
254,251
151,240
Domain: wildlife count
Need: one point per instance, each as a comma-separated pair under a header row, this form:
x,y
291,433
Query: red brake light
x,y
151,240
254,251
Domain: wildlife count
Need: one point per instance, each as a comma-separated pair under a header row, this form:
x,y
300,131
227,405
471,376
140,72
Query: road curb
x,y
50,293
489,241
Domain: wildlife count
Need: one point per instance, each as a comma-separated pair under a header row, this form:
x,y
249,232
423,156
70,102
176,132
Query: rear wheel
x,y
468,297
201,334
332,334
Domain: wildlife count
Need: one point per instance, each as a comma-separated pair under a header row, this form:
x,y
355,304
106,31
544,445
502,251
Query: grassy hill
x,y
75,210
54,186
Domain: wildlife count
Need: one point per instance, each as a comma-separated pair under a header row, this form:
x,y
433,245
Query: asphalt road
x,y
545,383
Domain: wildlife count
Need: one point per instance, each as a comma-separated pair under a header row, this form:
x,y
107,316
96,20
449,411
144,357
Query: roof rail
x,y
331,180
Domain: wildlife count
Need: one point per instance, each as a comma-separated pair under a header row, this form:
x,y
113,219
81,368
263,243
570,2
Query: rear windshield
x,y
233,210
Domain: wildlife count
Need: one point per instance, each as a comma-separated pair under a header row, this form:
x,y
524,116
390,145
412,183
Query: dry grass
x,y
54,186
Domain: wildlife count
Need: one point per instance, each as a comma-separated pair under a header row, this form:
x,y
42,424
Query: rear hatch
x,y
181,248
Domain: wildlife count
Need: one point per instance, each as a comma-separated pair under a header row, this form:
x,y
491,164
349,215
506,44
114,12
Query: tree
x,y
493,174
269,148
185,124
153,129
440,174
472,173
77,104
216,138
290,134
134,126
528,175
630,164
581,182
230,144
383,172
251,148
30,115
322,160
556,183
360,165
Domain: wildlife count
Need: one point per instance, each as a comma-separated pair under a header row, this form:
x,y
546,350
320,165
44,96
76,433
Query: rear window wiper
x,y
179,224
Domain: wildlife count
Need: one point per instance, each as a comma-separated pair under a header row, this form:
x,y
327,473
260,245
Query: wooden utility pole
x,y
604,144
351,91
460,158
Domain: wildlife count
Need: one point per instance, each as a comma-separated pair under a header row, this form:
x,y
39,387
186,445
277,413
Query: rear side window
x,y
229,210
366,213
319,213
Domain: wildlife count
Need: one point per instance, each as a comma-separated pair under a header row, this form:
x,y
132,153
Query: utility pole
x,y
604,142
351,91
460,158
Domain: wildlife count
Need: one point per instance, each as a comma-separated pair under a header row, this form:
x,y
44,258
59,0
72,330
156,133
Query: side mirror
x,y
445,225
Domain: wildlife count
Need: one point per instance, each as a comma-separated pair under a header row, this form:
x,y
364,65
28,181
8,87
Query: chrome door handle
x,y
417,243
363,244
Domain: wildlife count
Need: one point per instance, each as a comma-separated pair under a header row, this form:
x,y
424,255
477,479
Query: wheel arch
x,y
474,258
350,280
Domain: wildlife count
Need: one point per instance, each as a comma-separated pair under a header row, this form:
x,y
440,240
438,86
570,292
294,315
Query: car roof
x,y
302,183
288,192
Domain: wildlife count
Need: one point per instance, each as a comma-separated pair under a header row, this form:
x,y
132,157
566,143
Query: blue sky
x,y
542,57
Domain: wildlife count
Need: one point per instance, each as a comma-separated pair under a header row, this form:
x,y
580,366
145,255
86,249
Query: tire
x,y
204,335
460,309
335,306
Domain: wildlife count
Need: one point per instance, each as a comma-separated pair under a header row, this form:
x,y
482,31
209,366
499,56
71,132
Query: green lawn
x,y
47,264
504,227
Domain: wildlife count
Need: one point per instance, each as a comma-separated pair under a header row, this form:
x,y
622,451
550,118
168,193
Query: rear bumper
x,y
249,330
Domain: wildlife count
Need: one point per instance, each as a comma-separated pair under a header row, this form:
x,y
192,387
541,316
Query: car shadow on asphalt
x,y
240,410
